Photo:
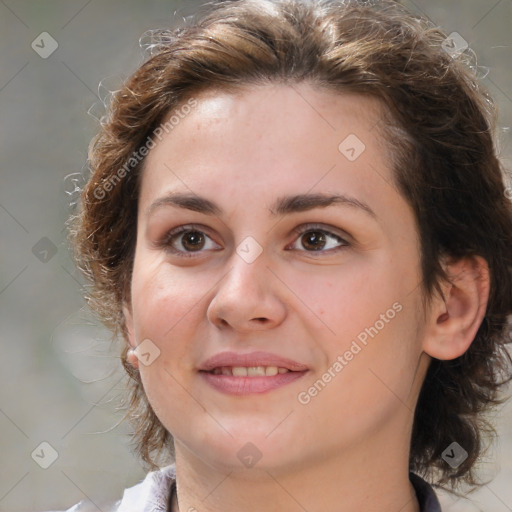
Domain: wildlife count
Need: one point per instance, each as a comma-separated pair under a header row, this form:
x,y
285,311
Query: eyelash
x,y
166,242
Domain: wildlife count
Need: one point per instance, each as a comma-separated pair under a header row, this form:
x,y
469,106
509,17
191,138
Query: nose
x,y
248,297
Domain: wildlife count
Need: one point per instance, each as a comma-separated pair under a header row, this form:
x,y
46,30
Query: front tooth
x,y
239,371
271,370
256,371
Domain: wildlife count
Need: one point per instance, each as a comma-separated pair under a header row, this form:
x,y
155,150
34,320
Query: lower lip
x,y
232,385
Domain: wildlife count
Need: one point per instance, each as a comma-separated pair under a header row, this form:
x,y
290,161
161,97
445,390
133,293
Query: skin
x,y
350,442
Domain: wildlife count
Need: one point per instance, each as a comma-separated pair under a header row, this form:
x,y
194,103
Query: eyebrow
x,y
282,206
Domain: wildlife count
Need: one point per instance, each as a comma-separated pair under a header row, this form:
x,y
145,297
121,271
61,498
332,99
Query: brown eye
x,y
187,240
313,240
193,240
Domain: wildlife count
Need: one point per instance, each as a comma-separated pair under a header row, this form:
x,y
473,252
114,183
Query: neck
x,y
372,477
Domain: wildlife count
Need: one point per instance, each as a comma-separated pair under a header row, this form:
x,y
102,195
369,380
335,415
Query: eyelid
x,y
331,231
165,241
182,229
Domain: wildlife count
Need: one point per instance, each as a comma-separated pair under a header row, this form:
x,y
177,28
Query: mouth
x,y
250,371
250,364
246,374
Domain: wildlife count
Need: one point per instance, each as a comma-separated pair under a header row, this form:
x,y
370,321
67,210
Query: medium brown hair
x,y
439,127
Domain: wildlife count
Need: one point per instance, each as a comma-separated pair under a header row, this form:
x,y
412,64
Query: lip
x,y
251,359
232,385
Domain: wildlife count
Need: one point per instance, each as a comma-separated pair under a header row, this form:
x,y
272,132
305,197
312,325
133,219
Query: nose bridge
x,y
248,295
250,257
248,265
248,279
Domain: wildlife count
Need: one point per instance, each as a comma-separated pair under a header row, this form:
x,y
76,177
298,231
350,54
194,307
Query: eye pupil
x,y
314,240
193,240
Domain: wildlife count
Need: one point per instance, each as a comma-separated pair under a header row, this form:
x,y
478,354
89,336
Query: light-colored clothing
x,y
152,495
149,495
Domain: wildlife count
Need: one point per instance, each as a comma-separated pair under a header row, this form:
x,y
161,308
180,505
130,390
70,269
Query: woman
x,y
297,220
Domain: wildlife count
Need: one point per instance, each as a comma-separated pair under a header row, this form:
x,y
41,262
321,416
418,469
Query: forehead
x,y
314,104
267,133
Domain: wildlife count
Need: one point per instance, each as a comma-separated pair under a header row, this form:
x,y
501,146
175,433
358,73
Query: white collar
x,y
150,495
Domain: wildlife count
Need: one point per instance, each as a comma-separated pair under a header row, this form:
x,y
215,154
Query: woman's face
x,y
268,223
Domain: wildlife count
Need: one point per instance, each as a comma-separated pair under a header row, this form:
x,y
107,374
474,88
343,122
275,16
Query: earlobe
x,y
454,321
130,334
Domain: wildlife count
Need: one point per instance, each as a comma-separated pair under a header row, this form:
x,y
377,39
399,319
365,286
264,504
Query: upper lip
x,y
250,359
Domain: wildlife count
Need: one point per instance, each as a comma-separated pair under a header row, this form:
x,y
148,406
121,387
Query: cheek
x,y
369,318
351,298
160,298
165,310
368,377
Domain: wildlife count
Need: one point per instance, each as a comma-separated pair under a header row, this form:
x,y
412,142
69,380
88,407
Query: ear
x,y
128,319
454,321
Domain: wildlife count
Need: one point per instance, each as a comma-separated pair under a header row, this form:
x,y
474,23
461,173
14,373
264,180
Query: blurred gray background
x,y
61,379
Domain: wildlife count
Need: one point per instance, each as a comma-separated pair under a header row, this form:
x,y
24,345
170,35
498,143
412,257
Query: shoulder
x,y
149,495
427,498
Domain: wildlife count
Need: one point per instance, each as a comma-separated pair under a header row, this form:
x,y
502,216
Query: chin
x,y
246,448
